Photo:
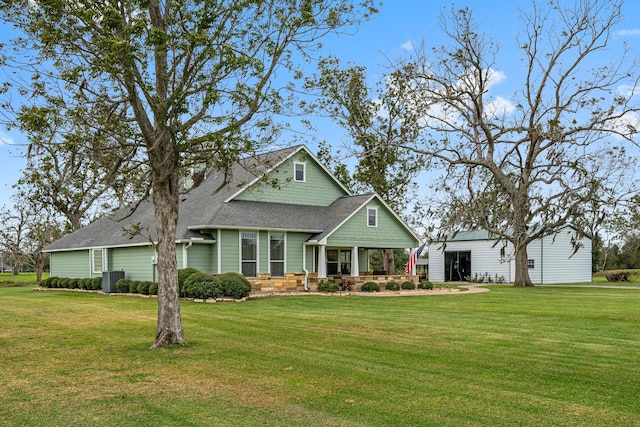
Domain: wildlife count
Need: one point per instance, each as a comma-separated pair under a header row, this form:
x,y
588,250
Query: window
x,y
531,263
96,260
299,172
276,254
249,253
372,217
338,262
345,262
332,262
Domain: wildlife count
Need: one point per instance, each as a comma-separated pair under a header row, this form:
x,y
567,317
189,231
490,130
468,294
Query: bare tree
x,y
522,166
27,228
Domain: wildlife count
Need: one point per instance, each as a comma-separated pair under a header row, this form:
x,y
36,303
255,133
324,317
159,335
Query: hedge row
x,y
92,284
136,287
191,282
329,286
195,284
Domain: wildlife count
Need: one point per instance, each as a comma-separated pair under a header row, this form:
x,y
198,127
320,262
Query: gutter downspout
x,y
219,252
304,267
185,259
542,260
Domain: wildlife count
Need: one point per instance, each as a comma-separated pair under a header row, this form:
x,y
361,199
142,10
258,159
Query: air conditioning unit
x,y
109,279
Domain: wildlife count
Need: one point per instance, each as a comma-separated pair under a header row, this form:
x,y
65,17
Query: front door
x,y
338,262
457,266
332,262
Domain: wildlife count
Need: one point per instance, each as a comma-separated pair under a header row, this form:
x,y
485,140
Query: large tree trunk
x,y
38,266
165,200
521,208
522,268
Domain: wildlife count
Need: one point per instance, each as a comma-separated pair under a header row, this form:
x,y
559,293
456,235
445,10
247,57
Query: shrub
x,y
47,283
202,286
392,286
95,283
153,288
408,285
425,284
143,288
370,287
235,285
212,288
133,287
73,284
327,286
190,286
122,286
65,283
183,274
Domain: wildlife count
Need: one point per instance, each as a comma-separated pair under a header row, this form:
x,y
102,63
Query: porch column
x,y
322,261
355,265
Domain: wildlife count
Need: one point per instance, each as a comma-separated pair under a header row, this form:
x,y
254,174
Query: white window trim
x,y
257,260
284,261
304,171
376,212
103,259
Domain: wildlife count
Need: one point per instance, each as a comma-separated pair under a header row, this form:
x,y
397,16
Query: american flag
x,y
413,259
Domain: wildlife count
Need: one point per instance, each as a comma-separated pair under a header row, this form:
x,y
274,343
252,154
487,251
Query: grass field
x,y
600,278
22,278
513,356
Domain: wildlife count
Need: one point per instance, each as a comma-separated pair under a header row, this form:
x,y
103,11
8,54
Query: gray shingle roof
x,y
205,207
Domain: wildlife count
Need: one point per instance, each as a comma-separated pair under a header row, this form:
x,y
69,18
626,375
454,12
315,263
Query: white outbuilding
x,y
562,256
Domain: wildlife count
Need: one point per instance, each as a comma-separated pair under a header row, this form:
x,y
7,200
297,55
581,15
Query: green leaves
x,y
378,123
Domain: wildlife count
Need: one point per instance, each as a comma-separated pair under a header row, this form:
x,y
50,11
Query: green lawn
x,y
601,279
22,278
542,356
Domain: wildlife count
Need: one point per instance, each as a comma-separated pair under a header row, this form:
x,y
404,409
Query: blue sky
x,y
388,35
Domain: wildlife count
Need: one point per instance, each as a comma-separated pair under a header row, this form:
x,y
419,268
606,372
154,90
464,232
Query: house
x,y
280,218
552,258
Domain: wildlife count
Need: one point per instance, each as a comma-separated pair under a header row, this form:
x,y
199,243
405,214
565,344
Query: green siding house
x,y
280,218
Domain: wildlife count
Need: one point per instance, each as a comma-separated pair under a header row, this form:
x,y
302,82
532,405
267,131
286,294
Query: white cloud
x,y
628,90
408,45
627,124
5,139
632,33
496,77
499,107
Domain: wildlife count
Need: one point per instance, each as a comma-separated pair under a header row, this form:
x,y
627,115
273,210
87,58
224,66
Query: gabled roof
x,y
265,163
211,205
280,216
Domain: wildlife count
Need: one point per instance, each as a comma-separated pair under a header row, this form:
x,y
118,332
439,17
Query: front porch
x,y
295,282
